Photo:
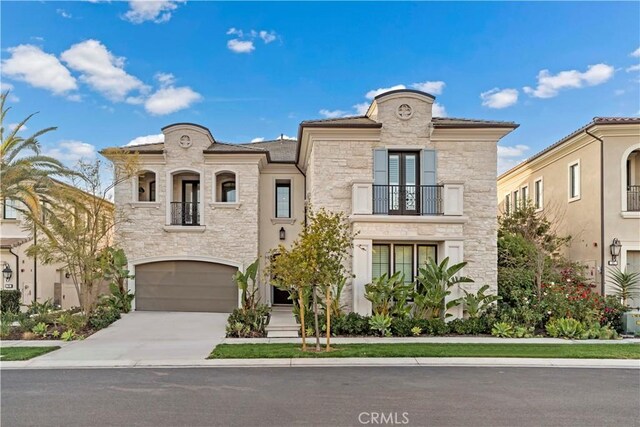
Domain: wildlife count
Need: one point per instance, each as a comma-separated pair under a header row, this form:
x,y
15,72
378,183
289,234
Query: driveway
x,y
145,336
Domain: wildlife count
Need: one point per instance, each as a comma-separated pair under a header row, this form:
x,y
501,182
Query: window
x,y
226,187
283,199
146,186
515,200
403,261
426,252
152,191
507,203
525,195
229,191
403,183
537,194
381,260
9,209
574,181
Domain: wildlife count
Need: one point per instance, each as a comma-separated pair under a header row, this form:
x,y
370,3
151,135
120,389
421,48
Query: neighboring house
x,y
588,184
413,186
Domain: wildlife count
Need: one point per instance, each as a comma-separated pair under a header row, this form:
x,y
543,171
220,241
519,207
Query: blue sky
x,y
106,73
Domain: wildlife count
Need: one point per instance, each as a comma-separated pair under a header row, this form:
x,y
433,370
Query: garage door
x,y
185,286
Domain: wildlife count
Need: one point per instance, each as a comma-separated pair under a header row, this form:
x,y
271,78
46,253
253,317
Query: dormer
x,y
182,138
403,110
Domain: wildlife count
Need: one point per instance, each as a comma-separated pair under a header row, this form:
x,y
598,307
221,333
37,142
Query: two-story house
x,y
413,186
588,184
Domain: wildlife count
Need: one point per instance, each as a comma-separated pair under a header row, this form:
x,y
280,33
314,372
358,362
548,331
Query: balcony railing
x,y
408,199
184,213
633,198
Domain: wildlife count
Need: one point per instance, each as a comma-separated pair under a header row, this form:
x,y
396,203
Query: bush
x,y
612,312
381,323
434,327
351,324
565,328
102,316
475,326
248,323
502,330
9,301
403,326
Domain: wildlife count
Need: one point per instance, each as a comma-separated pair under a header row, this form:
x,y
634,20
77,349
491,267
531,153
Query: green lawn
x,y
564,351
23,353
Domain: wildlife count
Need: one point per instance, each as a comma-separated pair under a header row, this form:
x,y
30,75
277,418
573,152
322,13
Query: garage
x,y
185,286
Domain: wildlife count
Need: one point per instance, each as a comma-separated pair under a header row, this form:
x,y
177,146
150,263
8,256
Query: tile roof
x,y
12,242
342,121
458,122
144,148
595,121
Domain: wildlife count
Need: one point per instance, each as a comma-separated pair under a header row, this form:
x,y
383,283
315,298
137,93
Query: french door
x,y
190,201
404,183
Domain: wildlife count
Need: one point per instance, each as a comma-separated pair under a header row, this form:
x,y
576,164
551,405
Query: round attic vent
x,y
185,141
404,112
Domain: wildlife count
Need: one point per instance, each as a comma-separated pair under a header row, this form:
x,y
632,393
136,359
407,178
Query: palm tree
x,y
24,172
625,284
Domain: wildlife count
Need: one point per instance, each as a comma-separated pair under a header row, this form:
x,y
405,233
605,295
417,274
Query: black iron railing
x,y
184,213
633,198
408,199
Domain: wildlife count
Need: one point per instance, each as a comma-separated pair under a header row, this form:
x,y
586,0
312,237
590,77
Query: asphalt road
x,y
414,396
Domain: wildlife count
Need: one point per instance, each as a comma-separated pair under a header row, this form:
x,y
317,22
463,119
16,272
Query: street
x,y
415,396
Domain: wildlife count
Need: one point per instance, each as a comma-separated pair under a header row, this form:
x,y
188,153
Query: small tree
x,y
79,222
625,284
115,270
247,284
434,283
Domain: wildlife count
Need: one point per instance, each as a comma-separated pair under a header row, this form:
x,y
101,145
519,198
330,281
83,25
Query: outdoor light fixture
x,y
283,233
7,273
615,247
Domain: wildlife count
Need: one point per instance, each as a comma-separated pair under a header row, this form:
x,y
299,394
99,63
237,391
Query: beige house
x,y
588,183
413,186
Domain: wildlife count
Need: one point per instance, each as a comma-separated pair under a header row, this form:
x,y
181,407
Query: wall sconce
x,y
614,248
67,275
283,234
7,273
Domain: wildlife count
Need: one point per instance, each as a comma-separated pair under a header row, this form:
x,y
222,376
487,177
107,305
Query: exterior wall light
x,y
283,234
7,273
615,248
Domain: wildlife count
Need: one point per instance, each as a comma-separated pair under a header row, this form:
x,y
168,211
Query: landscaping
x,y
23,353
560,351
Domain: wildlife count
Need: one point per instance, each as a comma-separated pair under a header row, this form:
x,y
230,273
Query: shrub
x,y
612,312
403,326
40,329
472,326
69,335
41,308
72,321
434,327
381,323
502,330
571,298
565,328
597,331
389,295
477,304
9,301
248,323
102,316
119,299
433,286
351,324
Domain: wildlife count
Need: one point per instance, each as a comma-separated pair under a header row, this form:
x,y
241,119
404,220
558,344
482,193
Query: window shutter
x,y
380,177
429,195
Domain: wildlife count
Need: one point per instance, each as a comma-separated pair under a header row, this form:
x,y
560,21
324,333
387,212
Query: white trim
x,y
629,214
385,219
184,228
524,194
169,192
274,181
225,205
540,179
623,175
515,199
578,181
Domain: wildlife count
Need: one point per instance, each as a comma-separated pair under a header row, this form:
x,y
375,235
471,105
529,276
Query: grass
x,y
560,351
23,353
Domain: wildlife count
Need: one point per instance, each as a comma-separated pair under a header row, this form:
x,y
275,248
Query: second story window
x,y
229,191
515,200
146,186
537,194
9,209
574,181
226,187
507,204
283,199
525,195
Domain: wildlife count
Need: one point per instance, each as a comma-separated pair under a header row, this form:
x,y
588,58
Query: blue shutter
x,y
429,195
380,177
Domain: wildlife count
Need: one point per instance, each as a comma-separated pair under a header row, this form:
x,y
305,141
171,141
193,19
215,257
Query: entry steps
x,y
283,323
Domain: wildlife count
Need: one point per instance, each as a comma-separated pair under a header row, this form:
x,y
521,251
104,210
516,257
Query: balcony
x,y
444,199
185,213
633,198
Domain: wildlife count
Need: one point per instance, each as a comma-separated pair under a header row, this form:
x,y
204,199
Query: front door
x,y
190,199
404,185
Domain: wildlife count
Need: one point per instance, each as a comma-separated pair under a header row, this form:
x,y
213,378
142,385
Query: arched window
x,y
632,181
146,186
226,187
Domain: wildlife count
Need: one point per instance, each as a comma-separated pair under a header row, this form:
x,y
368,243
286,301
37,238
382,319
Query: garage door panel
x,y
185,286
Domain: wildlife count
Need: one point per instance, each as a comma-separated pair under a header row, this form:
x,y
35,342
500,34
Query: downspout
x,y
602,275
17,268
305,192
35,268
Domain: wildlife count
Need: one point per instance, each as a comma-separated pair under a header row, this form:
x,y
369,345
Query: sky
x,y
114,73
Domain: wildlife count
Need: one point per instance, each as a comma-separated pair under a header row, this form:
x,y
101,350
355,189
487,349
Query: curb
x,y
331,362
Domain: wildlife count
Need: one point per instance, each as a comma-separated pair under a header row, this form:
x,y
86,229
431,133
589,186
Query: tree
x,y
246,282
25,174
79,223
315,260
541,241
434,282
625,284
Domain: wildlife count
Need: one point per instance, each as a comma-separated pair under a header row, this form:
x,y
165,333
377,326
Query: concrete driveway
x,y
147,336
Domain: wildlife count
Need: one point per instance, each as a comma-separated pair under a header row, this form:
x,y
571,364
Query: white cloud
x,y
633,68
101,70
13,126
283,136
373,93
241,46
147,139
259,139
267,36
433,88
438,110
165,79
233,31
64,13
635,53
499,98
43,70
549,85
332,114
170,99
361,108
510,156
70,151
150,10
7,87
